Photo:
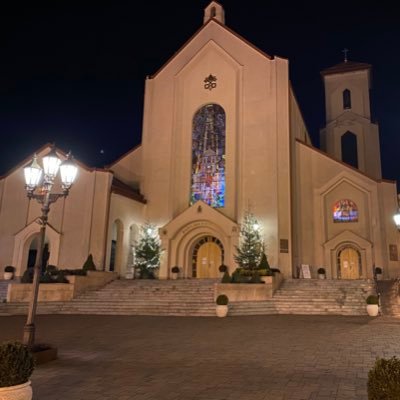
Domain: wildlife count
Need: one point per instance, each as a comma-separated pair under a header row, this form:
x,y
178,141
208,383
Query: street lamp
x,y
396,218
42,179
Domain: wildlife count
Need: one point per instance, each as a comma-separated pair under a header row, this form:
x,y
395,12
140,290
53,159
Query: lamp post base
x,y
29,335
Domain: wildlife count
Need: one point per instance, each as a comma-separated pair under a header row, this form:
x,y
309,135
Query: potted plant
x,y
222,305
372,305
378,273
175,272
8,272
321,273
16,367
222,269
384,379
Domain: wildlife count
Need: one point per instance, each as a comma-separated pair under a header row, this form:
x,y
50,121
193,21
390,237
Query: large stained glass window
x,y
208,156
345,210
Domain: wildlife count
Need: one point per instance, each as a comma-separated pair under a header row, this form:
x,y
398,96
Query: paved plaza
x,y
171,358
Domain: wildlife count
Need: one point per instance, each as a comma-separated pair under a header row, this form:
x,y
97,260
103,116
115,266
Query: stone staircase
x,y
389,297
3,290
135,297
195,298
312,296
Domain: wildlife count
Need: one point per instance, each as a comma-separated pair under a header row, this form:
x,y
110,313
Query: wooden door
x,y
349,259
208,260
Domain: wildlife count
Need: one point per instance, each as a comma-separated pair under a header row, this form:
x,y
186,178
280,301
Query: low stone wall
x,y
21,292
93,280
249,291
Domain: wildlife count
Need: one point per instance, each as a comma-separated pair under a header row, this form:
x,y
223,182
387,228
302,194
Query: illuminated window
x,y
208,156
345,210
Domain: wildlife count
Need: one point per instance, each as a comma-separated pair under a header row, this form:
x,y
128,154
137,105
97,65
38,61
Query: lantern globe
x,y
51,163
33,174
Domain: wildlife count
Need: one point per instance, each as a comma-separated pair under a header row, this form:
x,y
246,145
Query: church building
x,y
223,135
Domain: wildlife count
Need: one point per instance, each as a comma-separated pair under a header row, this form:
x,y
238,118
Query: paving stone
x,y
171,358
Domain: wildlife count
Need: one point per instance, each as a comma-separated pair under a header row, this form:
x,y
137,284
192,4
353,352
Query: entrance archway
x,y
349,263
208,255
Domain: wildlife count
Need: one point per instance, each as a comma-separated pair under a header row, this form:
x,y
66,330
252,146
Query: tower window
x,y
213,12
349,149
346,99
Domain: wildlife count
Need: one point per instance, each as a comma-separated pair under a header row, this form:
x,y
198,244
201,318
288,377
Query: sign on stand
x,y
305,271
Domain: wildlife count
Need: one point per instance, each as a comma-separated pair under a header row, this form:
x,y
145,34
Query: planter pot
x,y
379,277
372,310
175,275
321,276
8,276
18,392
221,311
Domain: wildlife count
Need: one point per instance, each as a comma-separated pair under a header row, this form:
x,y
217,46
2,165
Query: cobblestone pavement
x,y
175,358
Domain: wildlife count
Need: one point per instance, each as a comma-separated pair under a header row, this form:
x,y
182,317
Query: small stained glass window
x,y
345,210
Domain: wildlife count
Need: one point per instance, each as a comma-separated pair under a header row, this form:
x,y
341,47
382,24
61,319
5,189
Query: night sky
x,y
74,74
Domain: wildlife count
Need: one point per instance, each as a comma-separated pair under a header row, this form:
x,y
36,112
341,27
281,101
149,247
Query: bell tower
x,y
214,11
349,135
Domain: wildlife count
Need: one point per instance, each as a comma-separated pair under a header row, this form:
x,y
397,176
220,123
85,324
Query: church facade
x,y
222,135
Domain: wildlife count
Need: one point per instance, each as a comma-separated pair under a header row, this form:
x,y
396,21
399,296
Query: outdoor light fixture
x,y
42,180
396,218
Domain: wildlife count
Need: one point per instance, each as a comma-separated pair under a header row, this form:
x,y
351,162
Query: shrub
x,y
384,379
226,278
372,299
16,364
222,300
321,271
175,269
27,276
256,278
9,268
378,270
222,268
264,263
89,264
276,270
79,272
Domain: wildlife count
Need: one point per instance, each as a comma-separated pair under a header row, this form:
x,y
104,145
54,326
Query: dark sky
x,y
74,74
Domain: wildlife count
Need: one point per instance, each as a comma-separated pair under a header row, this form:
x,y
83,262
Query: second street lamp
x,y
42,179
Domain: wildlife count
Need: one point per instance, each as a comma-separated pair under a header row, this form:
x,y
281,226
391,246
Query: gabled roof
x,y
212,20
109,166
58,150
346,66
350,167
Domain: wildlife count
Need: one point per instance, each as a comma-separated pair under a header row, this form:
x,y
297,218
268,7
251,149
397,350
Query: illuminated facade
x,y
223,134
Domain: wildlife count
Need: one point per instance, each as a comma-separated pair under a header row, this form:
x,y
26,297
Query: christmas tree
x,y
251,248
148,251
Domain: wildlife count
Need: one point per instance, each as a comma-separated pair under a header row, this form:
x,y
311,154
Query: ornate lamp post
x,y
42,179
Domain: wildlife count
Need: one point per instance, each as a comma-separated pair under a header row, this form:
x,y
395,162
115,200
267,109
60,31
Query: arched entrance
x,y
208,255
349,263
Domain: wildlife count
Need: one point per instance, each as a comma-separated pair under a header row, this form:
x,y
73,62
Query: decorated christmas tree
x,y
251,248
148,251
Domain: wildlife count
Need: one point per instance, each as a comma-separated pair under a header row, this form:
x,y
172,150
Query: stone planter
x,y
221,311
8,276
372,310
17,392
321,276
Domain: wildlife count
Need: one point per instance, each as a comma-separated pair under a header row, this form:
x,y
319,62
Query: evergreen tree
x,y
148,250
251,247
